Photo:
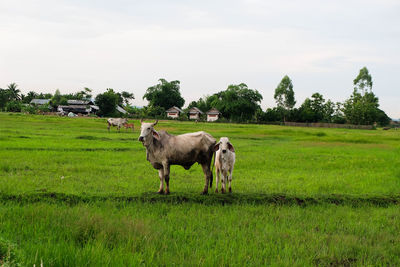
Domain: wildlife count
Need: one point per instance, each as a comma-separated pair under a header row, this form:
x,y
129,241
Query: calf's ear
x,y
216,147
231,148
156,135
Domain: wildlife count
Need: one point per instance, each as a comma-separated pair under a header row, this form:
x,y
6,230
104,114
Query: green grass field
x,y
73,194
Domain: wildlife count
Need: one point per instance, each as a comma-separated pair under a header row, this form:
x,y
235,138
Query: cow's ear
x,y
156,135
231,148
216,147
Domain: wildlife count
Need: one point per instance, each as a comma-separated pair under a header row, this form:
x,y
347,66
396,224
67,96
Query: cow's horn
x,y
141,120
155,122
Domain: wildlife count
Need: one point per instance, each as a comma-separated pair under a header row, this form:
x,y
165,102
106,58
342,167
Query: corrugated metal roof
x,y
195,110
174,109
79,102
40,101
213,111
120,109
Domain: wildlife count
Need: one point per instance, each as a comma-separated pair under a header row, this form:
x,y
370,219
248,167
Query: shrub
x,y
13,106
29,109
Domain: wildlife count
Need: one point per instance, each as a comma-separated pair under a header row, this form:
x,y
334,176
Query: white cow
x,y
119,122
224,162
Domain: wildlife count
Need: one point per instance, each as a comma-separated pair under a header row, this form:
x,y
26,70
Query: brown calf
x,y
129,125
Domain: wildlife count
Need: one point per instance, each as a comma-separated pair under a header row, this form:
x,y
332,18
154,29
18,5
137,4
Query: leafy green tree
x,y
107,102
237,102
318,106
363,81
272,115
204,104
44,96
56,99
4,98
329,110
363,106
284,95
153,112
164,94
306,111
316,109
338,116
85,94
126,96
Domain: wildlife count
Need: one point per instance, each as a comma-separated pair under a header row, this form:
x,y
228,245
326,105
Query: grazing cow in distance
x,y
129,125
224,162
116,122
164,150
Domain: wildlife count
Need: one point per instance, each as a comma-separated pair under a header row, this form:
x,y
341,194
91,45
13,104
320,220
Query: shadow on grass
x,y
210,199
68,149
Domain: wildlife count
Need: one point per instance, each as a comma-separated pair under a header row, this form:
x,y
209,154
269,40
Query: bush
x,y
13,106
183,117
44,108
29,109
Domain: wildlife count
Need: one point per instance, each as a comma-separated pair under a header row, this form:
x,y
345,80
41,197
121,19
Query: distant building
x,y
120,109
194,113
39,102
213,114
78,107
174,112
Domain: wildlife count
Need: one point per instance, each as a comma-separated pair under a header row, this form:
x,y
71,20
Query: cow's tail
x,y
212,170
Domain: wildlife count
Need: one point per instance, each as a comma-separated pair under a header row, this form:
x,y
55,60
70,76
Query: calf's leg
x,y
223,182
230,180
216,179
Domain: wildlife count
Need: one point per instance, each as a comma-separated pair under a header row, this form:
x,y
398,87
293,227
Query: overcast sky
x,y
206,45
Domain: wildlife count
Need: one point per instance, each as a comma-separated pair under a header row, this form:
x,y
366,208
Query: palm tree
x,y
29,96
14,91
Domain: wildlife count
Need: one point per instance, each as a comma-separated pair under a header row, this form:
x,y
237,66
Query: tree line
x,y
237,103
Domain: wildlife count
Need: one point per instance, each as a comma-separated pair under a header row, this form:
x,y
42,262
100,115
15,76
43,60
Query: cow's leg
x,y
216,179
166,178
208,176
108,126
161,175
230,180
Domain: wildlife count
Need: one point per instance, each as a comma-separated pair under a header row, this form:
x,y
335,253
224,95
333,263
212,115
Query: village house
x,y
194,113
213,114
174,112
78,107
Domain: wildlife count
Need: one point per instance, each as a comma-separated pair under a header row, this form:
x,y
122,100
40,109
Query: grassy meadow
x,y
74,194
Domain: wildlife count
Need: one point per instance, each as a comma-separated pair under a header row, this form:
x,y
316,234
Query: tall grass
x,y
72,193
